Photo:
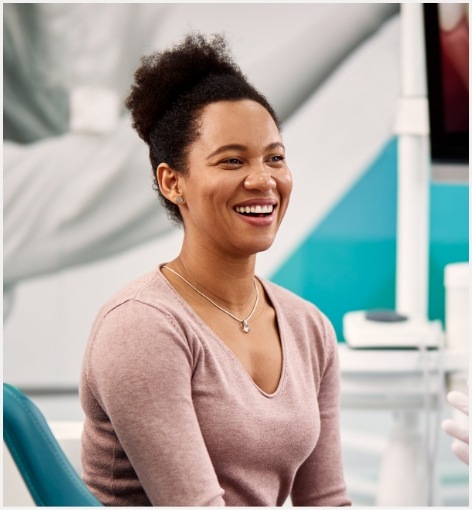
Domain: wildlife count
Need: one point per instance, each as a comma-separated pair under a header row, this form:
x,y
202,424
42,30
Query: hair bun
x,y
165,76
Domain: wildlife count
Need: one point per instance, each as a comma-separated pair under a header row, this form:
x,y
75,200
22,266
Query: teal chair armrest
x,y
47,472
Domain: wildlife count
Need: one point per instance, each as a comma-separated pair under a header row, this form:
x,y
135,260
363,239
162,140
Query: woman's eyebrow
x,y
231,146
238,147
275,145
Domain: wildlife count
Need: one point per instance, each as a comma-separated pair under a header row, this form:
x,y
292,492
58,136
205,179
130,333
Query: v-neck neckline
x,y
225,346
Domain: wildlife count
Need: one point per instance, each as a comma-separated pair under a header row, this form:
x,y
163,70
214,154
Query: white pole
x,y
413,170
412,127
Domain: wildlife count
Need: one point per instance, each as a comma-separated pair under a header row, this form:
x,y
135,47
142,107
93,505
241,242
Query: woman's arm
x,y
320,479
140,370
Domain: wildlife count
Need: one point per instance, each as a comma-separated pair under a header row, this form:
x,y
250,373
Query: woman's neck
x,y
227,280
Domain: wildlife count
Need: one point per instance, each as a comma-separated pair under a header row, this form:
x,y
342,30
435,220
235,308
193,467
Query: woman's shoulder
x,y
290,301
144,309
301,316
149,291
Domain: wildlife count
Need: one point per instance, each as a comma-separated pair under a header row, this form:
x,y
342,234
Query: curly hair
x,y
170,91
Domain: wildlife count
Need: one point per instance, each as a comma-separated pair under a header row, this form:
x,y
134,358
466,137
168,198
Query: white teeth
x,y
255,209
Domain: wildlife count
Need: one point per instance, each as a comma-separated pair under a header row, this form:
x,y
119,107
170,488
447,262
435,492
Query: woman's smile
x,y
257,212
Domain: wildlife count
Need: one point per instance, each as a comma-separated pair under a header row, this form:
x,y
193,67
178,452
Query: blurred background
x,y
81,218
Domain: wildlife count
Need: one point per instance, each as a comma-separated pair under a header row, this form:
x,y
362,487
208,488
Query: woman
x,y
202,384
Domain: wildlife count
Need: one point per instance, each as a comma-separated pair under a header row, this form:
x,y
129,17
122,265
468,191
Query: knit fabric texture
x,y
172,418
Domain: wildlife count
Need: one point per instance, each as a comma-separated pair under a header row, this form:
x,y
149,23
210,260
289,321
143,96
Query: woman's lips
x,y
258,215
257,201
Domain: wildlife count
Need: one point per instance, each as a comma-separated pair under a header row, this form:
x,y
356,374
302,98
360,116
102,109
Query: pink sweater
x,y
173,419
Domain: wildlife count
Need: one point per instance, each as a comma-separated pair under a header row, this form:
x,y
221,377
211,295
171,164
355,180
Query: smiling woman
x,y
203,384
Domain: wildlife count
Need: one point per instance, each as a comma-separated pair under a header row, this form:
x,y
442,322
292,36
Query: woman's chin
x,y
256,246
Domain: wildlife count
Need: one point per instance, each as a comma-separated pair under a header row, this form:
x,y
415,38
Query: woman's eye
x,y
232,161
277,159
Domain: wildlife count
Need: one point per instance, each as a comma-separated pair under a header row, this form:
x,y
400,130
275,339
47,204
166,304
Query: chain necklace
x,y
244,322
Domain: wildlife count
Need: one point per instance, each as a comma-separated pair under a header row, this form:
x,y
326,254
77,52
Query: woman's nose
x,y
260,179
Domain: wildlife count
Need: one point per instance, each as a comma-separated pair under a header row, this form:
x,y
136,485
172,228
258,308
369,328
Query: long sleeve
x,y
139,369
320,480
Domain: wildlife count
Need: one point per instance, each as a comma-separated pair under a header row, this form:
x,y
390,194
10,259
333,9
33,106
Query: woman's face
x,y
238,184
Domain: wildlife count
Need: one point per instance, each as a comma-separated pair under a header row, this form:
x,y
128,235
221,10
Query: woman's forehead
x,y
237,122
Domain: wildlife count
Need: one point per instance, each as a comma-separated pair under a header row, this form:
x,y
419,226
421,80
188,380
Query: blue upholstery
x,y
48,474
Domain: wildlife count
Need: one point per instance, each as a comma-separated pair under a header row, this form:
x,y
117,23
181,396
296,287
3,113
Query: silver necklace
x,y
244,322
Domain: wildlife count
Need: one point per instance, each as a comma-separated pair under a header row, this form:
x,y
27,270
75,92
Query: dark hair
x,y
170,91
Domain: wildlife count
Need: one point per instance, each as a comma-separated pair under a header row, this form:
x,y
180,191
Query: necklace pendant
x,y
245,326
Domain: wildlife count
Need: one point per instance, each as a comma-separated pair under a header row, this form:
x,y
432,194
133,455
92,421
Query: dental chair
x,y
45,469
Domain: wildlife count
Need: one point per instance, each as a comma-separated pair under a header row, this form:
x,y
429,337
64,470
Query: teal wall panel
x,y
347,262
449,237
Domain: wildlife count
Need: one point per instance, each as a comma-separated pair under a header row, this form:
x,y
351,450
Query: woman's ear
x,y
169,182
